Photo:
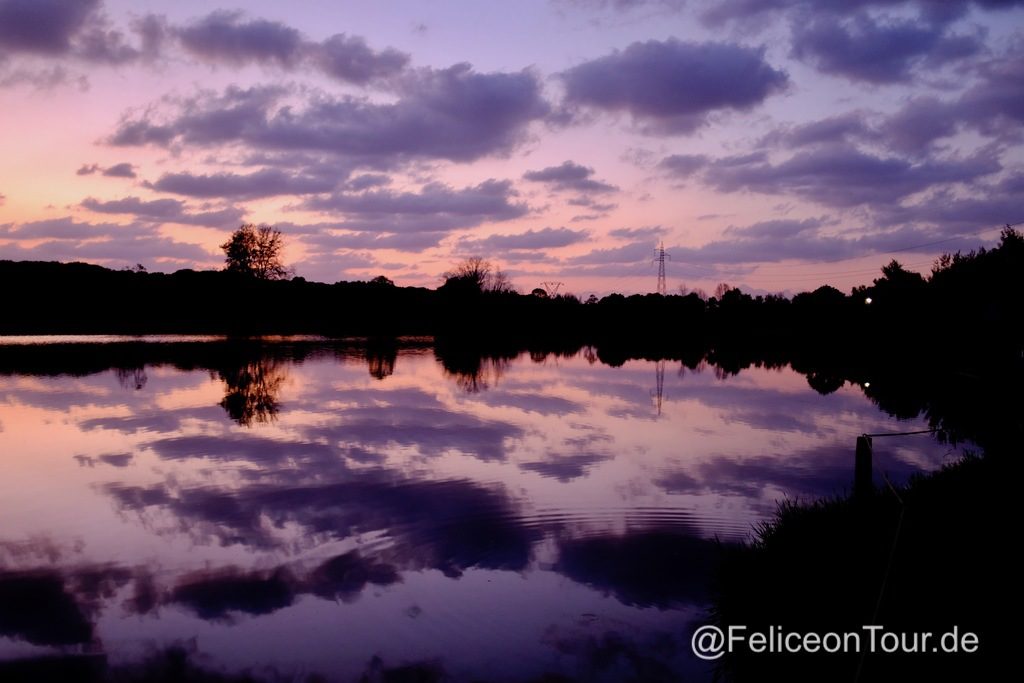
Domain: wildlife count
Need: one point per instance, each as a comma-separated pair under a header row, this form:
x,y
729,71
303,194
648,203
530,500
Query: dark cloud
x,y
229,37
215,595
813,240
224,36
633,252
569,176
435,208
635,233
73,29
750,11
990,107
567,467
625,5
66,228
844,176
345,576
122,170
433,431
672,86
547,238
866,49
108,243
165,210
349,58
367,181
268,182
330,240
44,27
455,114
446,525
684,165
113,459
842,128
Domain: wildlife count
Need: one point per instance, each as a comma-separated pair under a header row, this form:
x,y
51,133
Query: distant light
x,y
868,300
867,384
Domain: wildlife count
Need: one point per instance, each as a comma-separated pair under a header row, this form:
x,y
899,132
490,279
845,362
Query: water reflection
x,y
366,510
251,390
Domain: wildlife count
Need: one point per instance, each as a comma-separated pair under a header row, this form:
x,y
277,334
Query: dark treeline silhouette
x,y
969,301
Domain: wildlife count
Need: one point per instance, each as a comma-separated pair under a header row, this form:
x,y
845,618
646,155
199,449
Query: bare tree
x,y
255,250
478,274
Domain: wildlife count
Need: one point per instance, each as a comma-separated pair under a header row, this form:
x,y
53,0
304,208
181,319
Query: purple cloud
x,y
672,86
569,176
265,183
122,170
349,58
684,165
455,114
329,240
165,210
865,49
224,36
843,176
45,27
547,238
749,11
435,208
227,37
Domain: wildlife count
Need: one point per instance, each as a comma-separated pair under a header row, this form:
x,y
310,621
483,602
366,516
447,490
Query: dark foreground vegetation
x,y
969,301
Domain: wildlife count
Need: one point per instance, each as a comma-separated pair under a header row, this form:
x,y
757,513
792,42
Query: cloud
x,y
65,239
436,207
228,37
223,36
454,114
672,86
61,228
847,127
547,238
752,11
633,252
264,183
844,176
332,240
865,49
684,165
72,29
349,58
569,176
165,210
122,170
45,27
636,233
990,107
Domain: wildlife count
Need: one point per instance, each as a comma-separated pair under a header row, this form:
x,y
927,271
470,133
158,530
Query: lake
x,y
298,508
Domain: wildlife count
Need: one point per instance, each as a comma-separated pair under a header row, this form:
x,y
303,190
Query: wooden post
x,y
862,484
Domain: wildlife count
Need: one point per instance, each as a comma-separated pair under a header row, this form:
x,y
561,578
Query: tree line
x,y
968,299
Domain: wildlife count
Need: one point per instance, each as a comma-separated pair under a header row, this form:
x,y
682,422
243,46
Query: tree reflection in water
x,y
252,390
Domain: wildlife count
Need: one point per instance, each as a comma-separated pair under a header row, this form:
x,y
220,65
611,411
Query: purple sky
x,y
772,144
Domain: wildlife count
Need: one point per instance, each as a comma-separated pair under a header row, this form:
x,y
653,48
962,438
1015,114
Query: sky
x,y
776,145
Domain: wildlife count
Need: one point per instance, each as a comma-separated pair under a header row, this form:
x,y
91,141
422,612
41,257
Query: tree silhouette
x,y
255,250
474,274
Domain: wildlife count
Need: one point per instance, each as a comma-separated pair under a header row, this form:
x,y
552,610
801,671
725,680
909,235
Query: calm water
x,y
341,512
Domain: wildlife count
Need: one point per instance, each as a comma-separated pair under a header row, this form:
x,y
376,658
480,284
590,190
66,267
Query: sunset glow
x,y
776,145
